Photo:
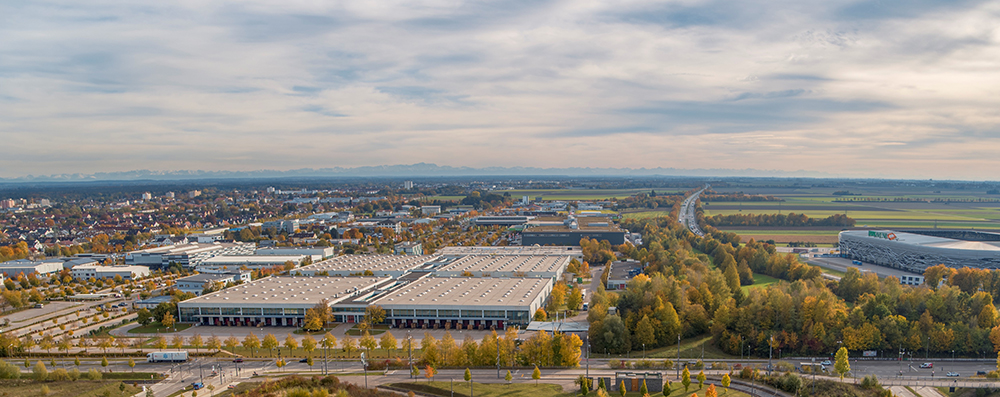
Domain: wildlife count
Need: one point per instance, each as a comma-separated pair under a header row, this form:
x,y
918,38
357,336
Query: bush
x,y
617,364
644,364
870,382
39,371
699,365
59,375
789,382
720,365
93,374
9,371
45,390
74,374
667,364
784,366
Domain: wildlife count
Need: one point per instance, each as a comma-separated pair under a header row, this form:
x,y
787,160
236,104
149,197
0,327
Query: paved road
x,y
687,214
842,264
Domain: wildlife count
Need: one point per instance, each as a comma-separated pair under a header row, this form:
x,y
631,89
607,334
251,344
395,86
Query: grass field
x,y
760,281
569,194
691,349
157,328
522,388
80,388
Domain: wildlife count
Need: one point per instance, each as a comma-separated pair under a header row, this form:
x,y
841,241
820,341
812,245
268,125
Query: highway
x,y
687,214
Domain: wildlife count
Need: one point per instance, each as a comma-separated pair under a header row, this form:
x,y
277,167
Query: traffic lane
x,y
842,264
911,369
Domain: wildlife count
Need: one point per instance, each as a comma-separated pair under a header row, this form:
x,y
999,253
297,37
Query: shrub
x,y
40,372
667,364
870,382
720,365
74,374
59,375
94,374
784,366
645,364
993,375
9,371
45,390
789,382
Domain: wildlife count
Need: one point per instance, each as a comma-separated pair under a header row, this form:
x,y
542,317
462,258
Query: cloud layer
x,y
894,88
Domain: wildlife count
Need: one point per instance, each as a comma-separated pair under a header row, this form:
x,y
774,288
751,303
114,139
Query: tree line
x,y
792,219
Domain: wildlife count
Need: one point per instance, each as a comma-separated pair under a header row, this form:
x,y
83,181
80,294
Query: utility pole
x,y
770,349
409,345
588,358
498,357
678,356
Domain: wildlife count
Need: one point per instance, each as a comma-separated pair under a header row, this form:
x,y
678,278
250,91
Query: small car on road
x,y
927,365
238,360
953,374
827,362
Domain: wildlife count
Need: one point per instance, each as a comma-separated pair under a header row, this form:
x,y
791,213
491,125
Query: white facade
x,y
13,268
84,272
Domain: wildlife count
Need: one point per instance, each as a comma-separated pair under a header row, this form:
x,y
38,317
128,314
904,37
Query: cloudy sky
x,y
896,88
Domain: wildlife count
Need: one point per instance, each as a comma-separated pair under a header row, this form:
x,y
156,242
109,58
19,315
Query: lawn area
x,y
80,388
376,330
530,389
157,328
760,281
691,349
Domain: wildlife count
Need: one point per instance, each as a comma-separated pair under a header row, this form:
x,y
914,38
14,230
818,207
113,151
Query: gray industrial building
x,y
572,231
916,250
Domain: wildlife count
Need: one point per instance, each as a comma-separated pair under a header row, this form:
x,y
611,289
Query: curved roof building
x,y
916,250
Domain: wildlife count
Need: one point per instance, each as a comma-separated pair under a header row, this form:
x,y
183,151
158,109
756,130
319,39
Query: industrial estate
x,y
624,292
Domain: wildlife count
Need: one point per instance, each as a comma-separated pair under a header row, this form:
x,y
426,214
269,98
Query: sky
x,y
883,88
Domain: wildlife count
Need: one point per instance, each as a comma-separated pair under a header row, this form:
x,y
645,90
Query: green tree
x,y
291,343
575,300
643,390
584,385
308,344
368,342
842,364
725,382
622,389
270,343
388,342
144,317
104,363
196,342
214,343
508,377
686,379
39,371
168,320
644,332
701,379
131,364
537,374
349,345
468,375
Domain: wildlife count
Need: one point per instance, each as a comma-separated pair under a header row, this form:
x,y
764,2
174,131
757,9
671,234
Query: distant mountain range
x,y
411,170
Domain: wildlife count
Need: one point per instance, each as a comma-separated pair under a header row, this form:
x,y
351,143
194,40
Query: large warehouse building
x,y
916,250
462,292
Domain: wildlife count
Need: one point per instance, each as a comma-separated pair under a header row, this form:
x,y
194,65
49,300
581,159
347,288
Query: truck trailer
x,y
166,357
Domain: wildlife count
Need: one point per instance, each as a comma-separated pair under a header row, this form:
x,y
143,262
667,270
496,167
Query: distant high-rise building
x,y
147,196
194,193
169,195
408,185
44,203
8,203
270,189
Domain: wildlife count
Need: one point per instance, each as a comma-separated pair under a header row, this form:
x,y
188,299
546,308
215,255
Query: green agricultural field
x,y
646,214
583,194
80,388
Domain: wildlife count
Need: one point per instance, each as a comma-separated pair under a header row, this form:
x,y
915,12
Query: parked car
x,y
927,365
980,372
954,374
238,360
197,385
827,362
304,360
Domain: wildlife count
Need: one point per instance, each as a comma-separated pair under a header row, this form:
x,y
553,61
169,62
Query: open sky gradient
x,y
872,88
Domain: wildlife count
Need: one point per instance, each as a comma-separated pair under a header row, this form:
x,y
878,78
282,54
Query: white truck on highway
x,y
166,357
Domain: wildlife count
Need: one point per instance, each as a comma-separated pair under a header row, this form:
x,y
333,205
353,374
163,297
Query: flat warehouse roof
x,y
375,263
242,259
510,250
508,263
467,292
289,291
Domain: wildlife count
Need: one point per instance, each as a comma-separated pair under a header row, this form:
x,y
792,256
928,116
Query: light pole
x,y
409,346
770,349
644,350
678,356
